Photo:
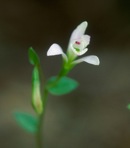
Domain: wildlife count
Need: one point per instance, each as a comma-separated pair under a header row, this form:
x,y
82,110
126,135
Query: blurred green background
x,y
93,116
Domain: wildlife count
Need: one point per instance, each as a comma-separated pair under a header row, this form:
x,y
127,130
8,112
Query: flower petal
x,y
55,49
86,40
79,31
89,59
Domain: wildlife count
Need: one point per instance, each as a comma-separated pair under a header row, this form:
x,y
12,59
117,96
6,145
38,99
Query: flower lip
x,y
78,50
78,47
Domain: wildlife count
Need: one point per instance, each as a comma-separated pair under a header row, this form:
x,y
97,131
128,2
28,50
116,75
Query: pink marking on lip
x,y
77,42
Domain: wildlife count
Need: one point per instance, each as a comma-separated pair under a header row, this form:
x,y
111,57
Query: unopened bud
x,y
36,94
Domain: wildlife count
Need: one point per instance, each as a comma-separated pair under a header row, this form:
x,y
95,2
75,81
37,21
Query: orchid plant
x,y
56,85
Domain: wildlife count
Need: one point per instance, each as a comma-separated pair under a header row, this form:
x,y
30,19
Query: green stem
x,y
39,136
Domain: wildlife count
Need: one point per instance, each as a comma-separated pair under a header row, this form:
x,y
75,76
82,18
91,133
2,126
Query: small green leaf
x,y
128,106
26,121
61,86
33,57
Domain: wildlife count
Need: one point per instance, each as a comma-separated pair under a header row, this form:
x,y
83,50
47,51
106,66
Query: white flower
x,y
77,46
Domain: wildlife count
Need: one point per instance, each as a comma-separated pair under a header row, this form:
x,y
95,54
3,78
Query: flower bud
x,y
36,95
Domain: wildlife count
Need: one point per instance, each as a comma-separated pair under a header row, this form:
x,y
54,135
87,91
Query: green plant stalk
x,y
39,135
39,143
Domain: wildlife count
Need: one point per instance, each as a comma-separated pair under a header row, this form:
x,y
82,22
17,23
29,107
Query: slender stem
x,y
39,136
